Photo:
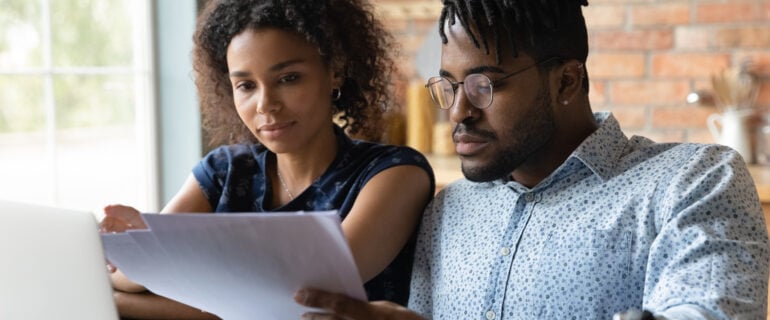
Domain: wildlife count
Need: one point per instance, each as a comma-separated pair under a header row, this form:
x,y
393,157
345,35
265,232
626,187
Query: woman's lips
x,y
274,130
273,126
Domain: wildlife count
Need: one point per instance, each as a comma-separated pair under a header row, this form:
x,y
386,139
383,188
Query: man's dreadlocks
x,y
541,28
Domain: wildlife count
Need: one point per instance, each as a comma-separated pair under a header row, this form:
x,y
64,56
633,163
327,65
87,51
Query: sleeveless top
x,y
233,179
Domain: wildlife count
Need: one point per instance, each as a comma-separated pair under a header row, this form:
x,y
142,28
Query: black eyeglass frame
x,y
492,83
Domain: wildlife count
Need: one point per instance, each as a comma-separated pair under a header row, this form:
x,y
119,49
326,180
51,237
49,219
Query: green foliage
x,y
21,104
91,32
93,101
20,20
84,33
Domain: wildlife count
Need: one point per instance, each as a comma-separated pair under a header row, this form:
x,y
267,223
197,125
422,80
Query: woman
x,y
272,76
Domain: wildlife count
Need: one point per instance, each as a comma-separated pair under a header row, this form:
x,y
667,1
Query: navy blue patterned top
x,y
623,223
233,179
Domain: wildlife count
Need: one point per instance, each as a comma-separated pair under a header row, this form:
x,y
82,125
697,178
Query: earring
x,y
565,102
336,94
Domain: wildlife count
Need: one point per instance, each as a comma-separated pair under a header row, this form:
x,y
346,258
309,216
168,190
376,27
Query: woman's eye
x,y
245,85
289,78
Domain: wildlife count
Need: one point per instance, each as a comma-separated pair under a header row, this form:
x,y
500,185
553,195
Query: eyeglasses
x,y
478,88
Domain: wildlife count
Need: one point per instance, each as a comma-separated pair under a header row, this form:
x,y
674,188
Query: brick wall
x,y
646,55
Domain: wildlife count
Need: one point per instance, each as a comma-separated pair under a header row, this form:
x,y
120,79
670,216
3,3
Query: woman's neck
x,y
295,171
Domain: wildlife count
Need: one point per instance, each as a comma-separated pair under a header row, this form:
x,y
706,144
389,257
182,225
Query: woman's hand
x,y
119,218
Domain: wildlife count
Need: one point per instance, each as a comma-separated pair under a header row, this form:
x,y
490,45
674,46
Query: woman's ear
x,y
337,80
571,77
337,74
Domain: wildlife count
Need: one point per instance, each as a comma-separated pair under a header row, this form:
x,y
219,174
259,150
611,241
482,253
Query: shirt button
x,y
505,251
490,315
529,197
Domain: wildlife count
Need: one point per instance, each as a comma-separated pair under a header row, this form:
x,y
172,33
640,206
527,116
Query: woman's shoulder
x,y
235,152
381,150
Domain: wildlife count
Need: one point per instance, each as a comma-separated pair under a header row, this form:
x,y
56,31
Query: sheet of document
x,y
238,266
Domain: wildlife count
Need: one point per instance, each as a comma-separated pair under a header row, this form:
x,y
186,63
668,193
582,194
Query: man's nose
x,y
461,107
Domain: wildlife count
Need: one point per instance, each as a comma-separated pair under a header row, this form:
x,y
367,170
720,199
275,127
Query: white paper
x,y
238,266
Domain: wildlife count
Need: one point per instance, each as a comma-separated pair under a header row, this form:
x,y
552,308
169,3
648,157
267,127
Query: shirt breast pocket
x,y
585,272
599,251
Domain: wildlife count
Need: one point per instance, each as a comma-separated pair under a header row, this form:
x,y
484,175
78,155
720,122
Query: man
x,y
561,216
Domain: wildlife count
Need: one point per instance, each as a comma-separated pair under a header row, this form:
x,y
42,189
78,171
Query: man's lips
x,y
468,145
467,138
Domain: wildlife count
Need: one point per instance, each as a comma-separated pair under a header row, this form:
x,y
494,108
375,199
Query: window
x,y
76,107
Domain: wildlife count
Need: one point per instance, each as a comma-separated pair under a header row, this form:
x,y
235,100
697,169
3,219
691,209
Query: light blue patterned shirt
x,y
622,223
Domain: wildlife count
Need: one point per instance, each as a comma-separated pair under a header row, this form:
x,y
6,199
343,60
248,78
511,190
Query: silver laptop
x,y
52,265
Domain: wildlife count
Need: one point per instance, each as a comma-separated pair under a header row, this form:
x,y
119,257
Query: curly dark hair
x,y
543,29
347,36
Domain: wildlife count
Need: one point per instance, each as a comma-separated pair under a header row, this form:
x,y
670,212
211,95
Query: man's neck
x,y
545,161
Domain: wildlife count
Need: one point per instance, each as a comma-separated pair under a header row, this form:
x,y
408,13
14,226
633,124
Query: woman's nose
x,y
267,102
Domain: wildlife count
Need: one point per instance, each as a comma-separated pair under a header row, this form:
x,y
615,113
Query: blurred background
x,y
97,103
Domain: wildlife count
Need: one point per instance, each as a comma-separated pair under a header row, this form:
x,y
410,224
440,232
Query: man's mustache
x,y
471,130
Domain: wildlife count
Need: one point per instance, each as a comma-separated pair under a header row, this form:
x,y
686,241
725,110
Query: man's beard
x,y
531,133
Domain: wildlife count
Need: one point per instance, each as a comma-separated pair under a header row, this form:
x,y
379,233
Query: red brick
x,y
699,136
659,135
632,40
701,84
597,92
680,117
716,37
760,61
731,11
627,36
631,117
660,14
604,16
616,65
648,92
687,65
764,12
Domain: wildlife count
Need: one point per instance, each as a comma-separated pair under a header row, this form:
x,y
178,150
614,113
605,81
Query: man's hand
x,y
341,307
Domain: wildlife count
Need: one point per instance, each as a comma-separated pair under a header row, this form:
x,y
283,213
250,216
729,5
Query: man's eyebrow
x,y
274,68
479,69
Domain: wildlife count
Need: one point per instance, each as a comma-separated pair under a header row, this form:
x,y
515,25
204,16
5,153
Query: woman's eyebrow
x,y
274,68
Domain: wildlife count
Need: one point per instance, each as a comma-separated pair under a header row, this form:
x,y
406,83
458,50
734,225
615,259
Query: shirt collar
x,y
601,150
